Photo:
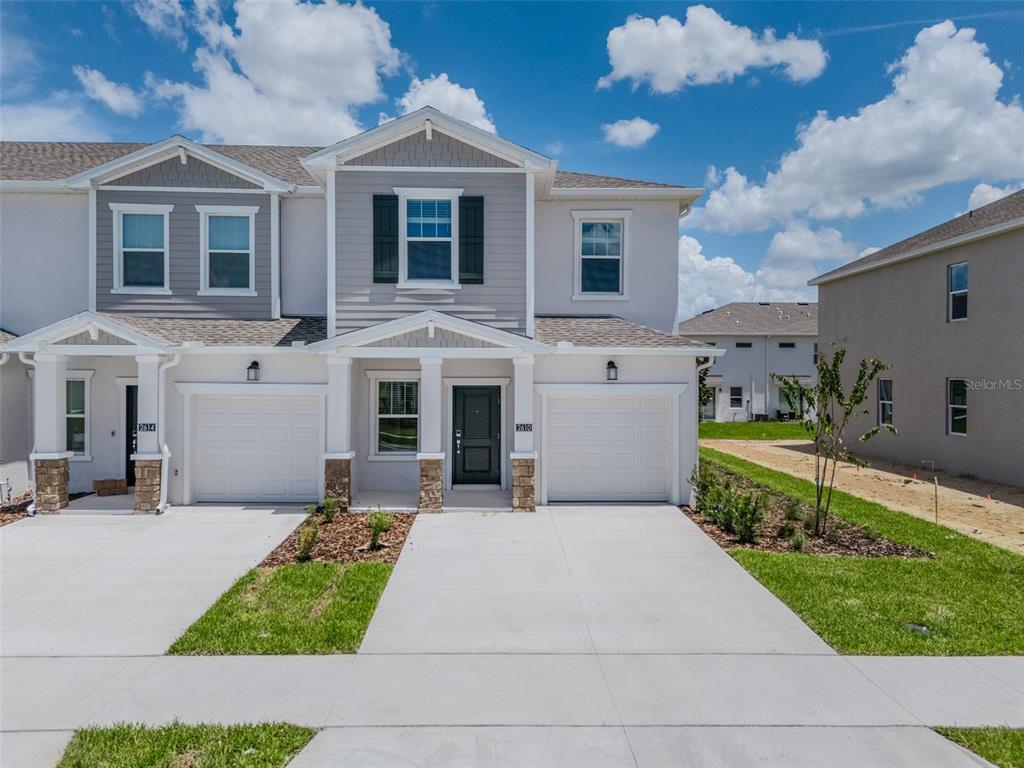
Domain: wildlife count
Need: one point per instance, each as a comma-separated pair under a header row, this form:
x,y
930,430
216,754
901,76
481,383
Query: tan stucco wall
x,y
898,315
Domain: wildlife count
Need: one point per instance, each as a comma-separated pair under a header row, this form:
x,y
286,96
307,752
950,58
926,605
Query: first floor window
x,y
884,401
956,406
227,257
141,247
814,358
735,397
397,418
76,417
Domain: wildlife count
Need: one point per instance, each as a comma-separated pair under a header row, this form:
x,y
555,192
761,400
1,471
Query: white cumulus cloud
x,y
117,97
164,18
942,122
983,194
440,92
60,117
287,72
670,55
630,133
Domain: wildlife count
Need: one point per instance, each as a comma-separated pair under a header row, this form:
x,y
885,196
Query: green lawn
x,y
1002,746
968,596
267,745
300,608
752,430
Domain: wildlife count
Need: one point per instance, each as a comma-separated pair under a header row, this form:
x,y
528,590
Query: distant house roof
x,y
1005,213
6,336
751,318
603,331
57,160
257,333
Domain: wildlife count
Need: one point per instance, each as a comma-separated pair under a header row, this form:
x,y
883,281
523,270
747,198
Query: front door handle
x,y
458,446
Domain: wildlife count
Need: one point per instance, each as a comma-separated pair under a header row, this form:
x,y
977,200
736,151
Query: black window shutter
x,y
471,240
385,238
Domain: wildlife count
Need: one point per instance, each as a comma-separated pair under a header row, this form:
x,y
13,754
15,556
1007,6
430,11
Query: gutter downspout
x,y
29,364
161,429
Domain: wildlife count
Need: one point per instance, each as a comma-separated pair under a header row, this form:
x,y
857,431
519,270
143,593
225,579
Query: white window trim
x,y
735,407
600,216
415,193
119,209
205,212
950,407
890,402
375,377
950,292
85,376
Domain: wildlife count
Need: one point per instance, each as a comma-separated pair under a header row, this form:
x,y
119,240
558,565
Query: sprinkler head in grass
x,y
919,629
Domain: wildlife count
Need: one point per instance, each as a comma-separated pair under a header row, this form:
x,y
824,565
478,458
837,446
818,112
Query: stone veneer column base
x,y
338,481
51,485
431,485
147,486
523,490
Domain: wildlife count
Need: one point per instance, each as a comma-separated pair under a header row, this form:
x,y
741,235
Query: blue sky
x,y
851,126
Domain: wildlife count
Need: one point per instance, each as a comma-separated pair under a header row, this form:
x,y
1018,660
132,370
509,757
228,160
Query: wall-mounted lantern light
x,y
252,373
613,371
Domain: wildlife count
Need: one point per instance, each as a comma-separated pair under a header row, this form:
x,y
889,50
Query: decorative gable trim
x,y
90,331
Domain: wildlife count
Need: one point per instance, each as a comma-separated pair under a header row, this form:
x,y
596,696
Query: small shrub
x,y
380,522
798,540
718,506
331,508
786,530
870,533
793,511
832,535
705,483
307,539
312,509
747,513
809,523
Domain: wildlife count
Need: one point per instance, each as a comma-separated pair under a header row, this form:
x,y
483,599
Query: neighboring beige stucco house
x,y
945,310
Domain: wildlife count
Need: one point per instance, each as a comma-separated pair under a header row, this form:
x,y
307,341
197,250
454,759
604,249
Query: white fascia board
x,y
953,242
81,323
653,351
750,334
685,194
49,187
168,148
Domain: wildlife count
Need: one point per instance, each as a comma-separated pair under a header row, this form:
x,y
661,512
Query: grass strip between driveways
x,y
752,430
1002,746
265,745
299,608
968,595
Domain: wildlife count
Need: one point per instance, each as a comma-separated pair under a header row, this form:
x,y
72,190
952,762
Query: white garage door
x,y
256,448
604,448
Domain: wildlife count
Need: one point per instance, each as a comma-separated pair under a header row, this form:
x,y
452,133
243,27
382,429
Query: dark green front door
x,y
476,435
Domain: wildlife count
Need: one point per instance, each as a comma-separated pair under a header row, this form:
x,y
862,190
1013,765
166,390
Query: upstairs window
x,y
956,408
744,344
787,345
226,252
428,244
884,402
957,279
601,245
140,242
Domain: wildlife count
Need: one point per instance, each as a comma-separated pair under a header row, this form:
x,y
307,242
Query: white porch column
x,y
522,405
430,406
339,406
50,401
147,444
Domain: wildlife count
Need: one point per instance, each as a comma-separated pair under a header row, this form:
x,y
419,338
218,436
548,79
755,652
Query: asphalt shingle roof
x,y
6,336
56,160
1001,211
213,333
603,331
744,317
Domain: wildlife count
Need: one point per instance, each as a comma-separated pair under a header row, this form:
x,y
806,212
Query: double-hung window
x,y
141,235
956,406
76,417
957,283
601,251
395,422
735,397
227,250
428,222
884,402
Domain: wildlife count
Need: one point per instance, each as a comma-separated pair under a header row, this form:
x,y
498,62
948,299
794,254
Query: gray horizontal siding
x,y
499,302
174,173
441,151
184,300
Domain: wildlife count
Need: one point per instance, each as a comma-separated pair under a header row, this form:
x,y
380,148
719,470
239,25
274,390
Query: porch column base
x,y
147,486
338,481
51,485
523,485
431,485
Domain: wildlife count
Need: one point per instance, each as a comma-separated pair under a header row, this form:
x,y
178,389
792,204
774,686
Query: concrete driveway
x,y
586,579
121,585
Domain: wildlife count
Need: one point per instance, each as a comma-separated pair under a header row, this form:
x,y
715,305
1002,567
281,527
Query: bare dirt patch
x,y
344,540
988,511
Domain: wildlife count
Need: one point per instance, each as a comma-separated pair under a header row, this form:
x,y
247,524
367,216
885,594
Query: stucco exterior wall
x,y
652,262
898,315
15,425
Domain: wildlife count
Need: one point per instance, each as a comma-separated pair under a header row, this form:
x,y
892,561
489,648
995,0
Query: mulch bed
x,y
12,511
842,538
342,540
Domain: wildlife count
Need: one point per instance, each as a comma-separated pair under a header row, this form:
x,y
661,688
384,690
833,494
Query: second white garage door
x,y
266,448
604,448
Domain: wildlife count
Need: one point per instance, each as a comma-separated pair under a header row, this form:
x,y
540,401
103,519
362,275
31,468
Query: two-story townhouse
x,y
763,339
944,309
424,306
